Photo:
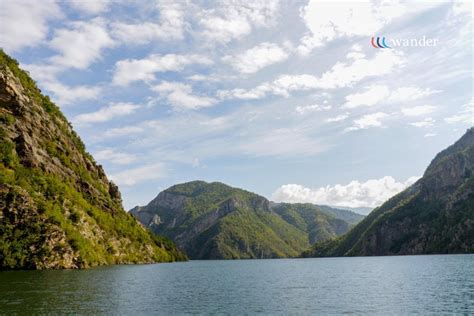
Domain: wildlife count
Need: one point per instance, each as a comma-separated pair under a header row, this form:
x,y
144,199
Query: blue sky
x,y
286,99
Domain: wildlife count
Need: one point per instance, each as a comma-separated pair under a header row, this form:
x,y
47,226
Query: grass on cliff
x,y
98,236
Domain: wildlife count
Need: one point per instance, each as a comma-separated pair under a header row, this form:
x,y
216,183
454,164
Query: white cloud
x,y
170,27
65,95
368,120
256,58
133,176
340,75
328,20
376,93
106,113
25,23
427,122
90,6
180,96
81,44
343,74
370,97
282,86
122,131
355,55
233,20
339,118
466,115
430,135
42,72
312,108
371,193
115,157
410,93
130,70
418,110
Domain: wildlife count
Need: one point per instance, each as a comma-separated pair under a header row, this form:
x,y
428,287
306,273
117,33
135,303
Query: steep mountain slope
x,y
216,221
57,207
434,215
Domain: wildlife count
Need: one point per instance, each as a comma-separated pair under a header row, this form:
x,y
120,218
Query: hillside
x,y
434,215
57,207
216,221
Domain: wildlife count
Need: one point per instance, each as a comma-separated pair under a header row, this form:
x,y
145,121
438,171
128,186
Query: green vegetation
x,y
435,215
57,208
216,221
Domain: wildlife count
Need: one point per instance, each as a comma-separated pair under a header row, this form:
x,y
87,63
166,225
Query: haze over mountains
x,y
57,207
216,221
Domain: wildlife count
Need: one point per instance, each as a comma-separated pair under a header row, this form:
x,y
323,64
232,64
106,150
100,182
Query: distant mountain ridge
x,y
433,216
362,210
57,207
216,221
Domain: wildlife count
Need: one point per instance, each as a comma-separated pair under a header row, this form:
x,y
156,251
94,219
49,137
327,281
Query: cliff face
x,y
216,221
57,207
435,215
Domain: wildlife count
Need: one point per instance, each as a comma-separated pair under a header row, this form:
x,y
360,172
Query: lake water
x,y
375,285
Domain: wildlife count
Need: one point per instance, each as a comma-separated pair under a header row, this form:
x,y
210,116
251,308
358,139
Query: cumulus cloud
x,y
375,94
340,75
346,74
371,193
236,19
368,120
410,93
427,122
106,113
81,44
115,157
90,6
256,58
371,96
466,115
328,20
338,118
65,95
282,86
180,96
169,27
25,23
418,110
130,177
312,108
130,70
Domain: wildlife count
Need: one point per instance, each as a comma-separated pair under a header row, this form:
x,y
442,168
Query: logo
x,y
379,43
382,42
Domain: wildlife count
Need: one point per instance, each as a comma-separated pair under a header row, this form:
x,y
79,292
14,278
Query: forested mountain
x,y
216,221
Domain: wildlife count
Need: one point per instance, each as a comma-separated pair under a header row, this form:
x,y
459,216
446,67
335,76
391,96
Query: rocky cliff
x,y
57,207
435,215
216,221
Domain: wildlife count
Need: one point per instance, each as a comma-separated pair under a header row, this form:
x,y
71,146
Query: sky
x,y
286,99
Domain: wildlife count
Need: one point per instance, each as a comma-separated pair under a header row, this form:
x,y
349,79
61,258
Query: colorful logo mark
x,y
379,43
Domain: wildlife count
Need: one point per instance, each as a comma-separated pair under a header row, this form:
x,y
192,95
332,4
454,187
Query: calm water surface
x,y
375,285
